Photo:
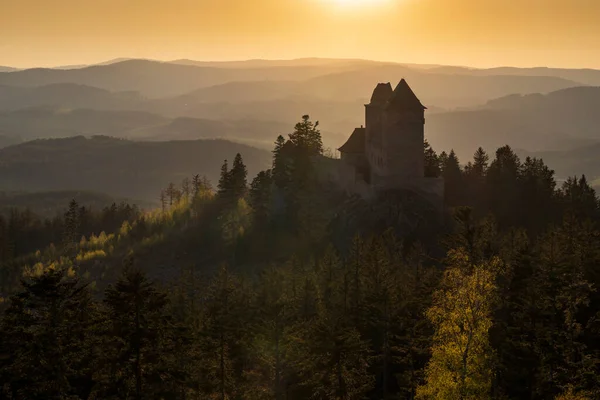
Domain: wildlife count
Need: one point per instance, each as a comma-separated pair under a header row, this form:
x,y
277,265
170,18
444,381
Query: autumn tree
x,y
461,361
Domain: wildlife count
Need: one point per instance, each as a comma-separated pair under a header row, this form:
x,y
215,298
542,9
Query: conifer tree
x,y
225,192
432,162
480,163
453,179
238,178
47,333
139,340
260,197
72,227
307,137
502,186
579,198
223,324
279,143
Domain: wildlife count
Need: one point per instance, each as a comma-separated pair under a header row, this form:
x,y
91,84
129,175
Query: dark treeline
x,y
501,303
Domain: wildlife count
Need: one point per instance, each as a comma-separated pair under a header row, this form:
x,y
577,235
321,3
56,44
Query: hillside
x,y
560,120
248,125
51,122
68,95
572,162
120,168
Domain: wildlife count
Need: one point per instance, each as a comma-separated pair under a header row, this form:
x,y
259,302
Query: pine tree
x,y
432,162
279,143
480,163
453,180
139,340
270,372
307,137
48,331
502,194
224,185
260,197
223,331
330,356
537,194
72,227
238,178
579,198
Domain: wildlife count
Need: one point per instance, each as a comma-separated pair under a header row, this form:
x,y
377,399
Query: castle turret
x,y
403,135
374,112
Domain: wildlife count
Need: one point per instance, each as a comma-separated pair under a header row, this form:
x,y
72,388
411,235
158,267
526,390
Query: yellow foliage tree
x,y
461,361
570,394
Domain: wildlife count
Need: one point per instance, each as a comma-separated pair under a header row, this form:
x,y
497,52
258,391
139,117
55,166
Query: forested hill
x,y
276,285
121,168
565,119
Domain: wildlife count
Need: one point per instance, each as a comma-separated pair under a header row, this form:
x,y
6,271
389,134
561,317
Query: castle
x,y
388,153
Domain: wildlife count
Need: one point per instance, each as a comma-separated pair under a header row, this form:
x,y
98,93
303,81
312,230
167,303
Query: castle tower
x,y
387,154
403,133
374,120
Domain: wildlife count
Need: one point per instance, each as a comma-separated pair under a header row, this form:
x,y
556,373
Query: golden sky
x,y
482,33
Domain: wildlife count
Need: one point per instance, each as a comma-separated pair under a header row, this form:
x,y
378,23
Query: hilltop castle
x,y
387,153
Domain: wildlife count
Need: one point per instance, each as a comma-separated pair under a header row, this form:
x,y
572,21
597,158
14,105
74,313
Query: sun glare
x,y
355,3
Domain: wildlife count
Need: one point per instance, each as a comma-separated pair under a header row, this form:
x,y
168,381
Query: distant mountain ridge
x,y
351,78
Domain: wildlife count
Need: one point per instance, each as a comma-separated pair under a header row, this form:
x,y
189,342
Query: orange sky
x,y
482,33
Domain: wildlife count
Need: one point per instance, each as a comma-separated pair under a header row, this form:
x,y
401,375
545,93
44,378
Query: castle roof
x,y
404,97
382,93
355,143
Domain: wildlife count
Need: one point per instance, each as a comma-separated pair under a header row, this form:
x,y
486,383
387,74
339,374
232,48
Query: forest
x,y
278,286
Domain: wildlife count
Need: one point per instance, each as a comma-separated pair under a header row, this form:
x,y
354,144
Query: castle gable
x,y
403,97
355,143
382,93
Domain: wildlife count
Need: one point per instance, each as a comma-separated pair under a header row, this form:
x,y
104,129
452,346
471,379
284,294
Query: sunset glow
x,y
462,32
358,3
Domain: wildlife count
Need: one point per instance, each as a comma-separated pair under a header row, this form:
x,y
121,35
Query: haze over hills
x,y
158,79
584,76
68,95
533,109
561,119
119,168
572,162
564,119
52,122
348,79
